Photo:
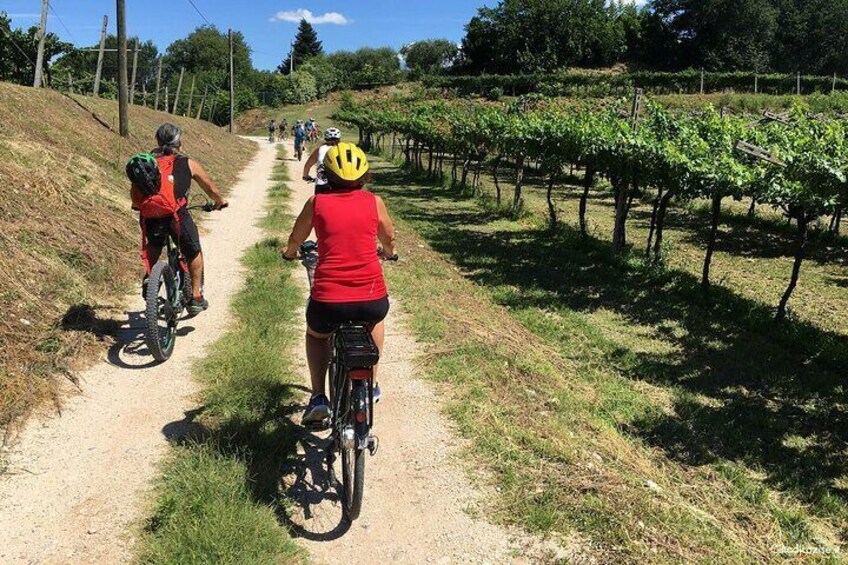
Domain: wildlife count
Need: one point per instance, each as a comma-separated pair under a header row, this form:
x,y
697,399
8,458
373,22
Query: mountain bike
x,y
272,136
167,292
351,378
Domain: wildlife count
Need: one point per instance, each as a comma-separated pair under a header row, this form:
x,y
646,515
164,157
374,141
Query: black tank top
x,y
182,177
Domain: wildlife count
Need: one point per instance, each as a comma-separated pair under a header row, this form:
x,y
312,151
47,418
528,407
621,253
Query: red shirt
x,y
349,268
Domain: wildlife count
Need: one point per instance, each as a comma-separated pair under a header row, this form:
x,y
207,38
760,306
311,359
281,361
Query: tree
x,y
306,45
81,63
543,35
206,50
19,49
366,67
713,34
432,56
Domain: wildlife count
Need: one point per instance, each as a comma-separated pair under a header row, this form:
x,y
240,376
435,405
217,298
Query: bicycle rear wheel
x,y
353,480
161,312
353,457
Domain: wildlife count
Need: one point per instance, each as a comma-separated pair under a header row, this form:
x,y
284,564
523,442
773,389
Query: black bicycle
x,y
167,293
351,378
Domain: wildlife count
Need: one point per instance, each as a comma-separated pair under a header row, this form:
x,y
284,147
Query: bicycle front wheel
x,y
161,312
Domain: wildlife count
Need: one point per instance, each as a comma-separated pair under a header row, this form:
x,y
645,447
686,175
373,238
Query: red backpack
x,y
161,203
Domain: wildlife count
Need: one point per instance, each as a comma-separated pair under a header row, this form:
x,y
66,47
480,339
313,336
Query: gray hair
x,y
168,137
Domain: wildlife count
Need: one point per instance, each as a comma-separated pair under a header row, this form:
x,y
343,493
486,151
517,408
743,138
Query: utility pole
x,y
190,97
100,57
177,95
123,110
167,106
42,33
232,84
134,73
158,82
202,101
291,58
144,95
70,83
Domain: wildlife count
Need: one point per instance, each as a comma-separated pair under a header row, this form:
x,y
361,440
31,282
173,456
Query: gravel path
x,y
77,485
419,501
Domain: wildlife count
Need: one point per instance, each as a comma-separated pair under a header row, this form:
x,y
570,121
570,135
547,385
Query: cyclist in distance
x,y
299,136
348,283
332,137
272,131
283,130
310,125
182,228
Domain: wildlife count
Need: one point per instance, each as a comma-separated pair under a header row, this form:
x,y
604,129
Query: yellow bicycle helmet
x,y
345,165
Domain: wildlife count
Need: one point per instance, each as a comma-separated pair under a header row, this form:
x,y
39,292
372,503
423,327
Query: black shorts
x,y
325,317
160,229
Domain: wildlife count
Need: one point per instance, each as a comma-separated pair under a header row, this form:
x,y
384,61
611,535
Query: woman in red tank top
x,y
348,283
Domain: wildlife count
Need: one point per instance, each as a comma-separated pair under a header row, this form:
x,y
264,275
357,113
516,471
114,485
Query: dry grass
x,y
67,238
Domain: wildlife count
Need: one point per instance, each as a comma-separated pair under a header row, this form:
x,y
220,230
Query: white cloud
x,y
302,14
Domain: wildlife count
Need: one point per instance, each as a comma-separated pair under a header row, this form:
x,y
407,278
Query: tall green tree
x,y
431,56
543,35
81,63
19,49
306,45
721,35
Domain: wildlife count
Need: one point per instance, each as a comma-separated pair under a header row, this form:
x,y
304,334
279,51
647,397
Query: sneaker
x,y
377,393
197,305
317,411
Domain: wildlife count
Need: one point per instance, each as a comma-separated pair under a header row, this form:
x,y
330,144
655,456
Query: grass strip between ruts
x,y
216,501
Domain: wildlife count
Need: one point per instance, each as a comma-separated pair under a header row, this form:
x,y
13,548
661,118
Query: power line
x,y
196,9
58,17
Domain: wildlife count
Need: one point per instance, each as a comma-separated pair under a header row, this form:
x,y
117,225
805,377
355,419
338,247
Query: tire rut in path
x,y
77,485
417,501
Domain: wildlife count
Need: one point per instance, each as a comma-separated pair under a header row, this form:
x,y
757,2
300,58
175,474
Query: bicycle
x,y
167,293
272,136
298,150
351,377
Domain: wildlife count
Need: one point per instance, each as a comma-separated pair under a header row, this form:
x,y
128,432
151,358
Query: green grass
x,y
218,500
616,400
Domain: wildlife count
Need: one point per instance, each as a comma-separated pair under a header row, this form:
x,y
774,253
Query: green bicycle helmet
x,y
143,172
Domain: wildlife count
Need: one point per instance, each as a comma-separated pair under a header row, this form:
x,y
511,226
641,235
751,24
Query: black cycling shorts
x,y
325,317
160,229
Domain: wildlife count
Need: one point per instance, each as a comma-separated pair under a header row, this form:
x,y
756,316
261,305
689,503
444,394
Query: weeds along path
x,y
75,484
419,502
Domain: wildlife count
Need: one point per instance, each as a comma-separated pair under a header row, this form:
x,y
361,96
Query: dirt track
x,y
76,484
418,502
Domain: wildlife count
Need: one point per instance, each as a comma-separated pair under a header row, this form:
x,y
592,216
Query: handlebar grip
x,y
394,258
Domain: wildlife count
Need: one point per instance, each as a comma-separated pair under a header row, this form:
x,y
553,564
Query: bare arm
x,y
300,231
311,162
385,229
198,173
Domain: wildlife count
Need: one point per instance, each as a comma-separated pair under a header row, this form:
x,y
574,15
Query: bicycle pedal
x,y
373,445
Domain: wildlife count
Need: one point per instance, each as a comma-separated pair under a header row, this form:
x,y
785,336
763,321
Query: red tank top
x,y
349,269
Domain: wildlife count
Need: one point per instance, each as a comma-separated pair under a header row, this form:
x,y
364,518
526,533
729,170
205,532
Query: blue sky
x,y
347,25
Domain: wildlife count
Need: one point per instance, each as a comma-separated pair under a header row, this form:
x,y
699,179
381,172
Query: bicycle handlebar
x,y
208,207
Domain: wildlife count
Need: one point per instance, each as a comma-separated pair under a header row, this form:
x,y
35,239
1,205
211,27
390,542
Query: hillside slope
x,y
67,237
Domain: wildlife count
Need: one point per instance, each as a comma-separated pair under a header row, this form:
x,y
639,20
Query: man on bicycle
x,y
272,131
158,230
348,284
283,129
332,137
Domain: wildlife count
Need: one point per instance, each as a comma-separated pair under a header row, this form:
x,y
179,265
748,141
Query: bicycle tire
x,y
353,481
161,344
